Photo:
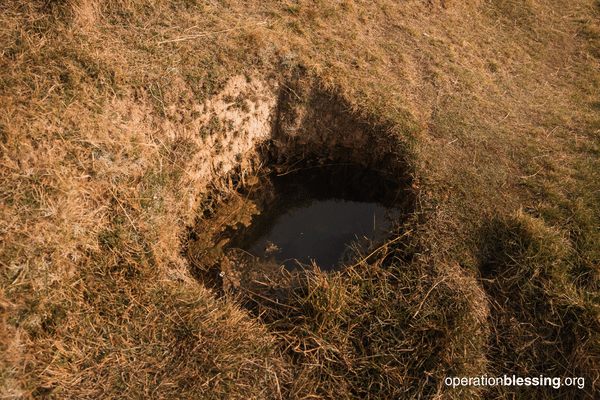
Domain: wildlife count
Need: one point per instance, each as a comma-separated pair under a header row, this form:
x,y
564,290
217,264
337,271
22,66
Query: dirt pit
x,y
322,192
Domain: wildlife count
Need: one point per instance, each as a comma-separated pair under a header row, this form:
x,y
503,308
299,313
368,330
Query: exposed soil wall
x,y
319,127
223,130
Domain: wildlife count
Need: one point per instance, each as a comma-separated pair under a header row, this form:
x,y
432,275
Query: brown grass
x,y
494,105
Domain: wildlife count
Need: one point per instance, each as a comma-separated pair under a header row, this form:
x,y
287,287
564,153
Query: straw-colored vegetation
x,y
494,104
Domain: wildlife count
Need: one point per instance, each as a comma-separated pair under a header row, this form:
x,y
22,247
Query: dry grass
x,y
495,106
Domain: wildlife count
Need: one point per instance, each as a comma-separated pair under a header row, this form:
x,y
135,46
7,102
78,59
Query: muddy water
x,y
319,216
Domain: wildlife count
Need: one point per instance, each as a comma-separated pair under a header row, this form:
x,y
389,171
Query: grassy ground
x,y
495,106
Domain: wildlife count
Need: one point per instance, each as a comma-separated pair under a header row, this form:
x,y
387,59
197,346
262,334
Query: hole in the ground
x,y
323,189
284,220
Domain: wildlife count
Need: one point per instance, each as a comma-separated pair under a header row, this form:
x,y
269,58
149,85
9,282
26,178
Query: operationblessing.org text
x,y
513,380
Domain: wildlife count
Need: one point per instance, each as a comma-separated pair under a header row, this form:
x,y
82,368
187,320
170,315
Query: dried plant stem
x,y
204,34
380,247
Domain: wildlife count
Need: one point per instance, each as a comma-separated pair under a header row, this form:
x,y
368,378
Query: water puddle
x,y
283,221
318,216
323,232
